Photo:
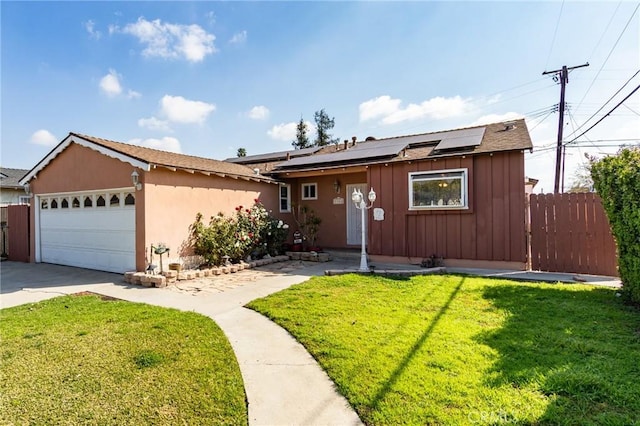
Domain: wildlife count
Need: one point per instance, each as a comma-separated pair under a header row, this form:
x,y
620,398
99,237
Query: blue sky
x,y
206,78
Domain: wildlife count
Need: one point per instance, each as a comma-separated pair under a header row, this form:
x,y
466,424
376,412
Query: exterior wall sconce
x,y
27,189
361,204
135,178
336,186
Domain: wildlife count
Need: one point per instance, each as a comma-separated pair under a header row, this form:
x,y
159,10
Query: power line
x,y
603,105
555,32
627,107
609,55
514,87
606,29
606,115
540,122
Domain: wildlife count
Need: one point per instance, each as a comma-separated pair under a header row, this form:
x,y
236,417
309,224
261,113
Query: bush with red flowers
x,y
250,232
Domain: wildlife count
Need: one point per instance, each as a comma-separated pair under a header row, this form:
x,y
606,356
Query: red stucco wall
x,y
165,206
173,198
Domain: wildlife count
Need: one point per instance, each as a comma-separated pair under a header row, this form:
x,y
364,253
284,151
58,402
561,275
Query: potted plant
x,y
309,225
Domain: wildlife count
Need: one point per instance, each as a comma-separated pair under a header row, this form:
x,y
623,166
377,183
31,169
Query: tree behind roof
x,y
323,125
302,139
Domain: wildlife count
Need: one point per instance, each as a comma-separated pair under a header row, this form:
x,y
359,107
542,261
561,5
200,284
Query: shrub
x,y
251,231
617,180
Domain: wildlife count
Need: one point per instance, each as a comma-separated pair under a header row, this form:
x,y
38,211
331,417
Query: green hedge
x,y
617,180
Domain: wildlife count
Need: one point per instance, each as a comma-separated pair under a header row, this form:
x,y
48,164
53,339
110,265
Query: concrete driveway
x,y
31,282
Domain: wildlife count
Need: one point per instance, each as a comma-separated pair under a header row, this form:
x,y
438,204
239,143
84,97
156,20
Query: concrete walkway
x,y
284,384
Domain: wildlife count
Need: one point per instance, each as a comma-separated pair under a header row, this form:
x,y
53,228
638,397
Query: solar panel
x,y
390,147
459,139
362,150
273,156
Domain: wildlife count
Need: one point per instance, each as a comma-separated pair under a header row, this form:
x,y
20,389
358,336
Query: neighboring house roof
x,y
488,138
10,178
148,158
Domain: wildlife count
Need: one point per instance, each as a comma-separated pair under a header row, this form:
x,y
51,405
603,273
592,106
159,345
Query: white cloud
x,y
110,84
283,131
287,131
132,94
152,123
496,118
238,38
181,110
378,107
43,137
170,41
259,112
389,110
90,26
167,143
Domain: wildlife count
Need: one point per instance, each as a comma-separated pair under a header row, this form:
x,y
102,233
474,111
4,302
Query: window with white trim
x,y
285,198
24,199
309,191
443,189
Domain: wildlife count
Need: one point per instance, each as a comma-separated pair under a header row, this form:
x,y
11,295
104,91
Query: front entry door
x,y
354,219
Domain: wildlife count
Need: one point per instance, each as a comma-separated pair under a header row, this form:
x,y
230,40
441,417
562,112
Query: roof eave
x,y
73,138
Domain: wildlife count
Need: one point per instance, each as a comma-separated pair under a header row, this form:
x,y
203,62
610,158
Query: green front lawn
x,y
86,360
464,350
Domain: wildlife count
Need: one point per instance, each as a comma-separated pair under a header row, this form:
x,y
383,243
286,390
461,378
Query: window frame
x,y
287,197
435,174
313,185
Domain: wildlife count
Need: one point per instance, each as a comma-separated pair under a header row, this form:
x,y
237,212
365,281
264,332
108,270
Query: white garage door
x,y
89,230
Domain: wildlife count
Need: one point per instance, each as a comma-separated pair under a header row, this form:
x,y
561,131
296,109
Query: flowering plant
x,y
250,231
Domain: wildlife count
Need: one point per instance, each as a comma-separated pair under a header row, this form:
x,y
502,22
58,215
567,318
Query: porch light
x,y
135,178
27,189
336,186
358,199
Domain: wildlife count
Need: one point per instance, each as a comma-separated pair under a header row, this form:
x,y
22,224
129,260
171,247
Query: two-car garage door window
x,y
87,201
88,230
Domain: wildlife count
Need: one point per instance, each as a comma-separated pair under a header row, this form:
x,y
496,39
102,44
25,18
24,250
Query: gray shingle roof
x,y
9,177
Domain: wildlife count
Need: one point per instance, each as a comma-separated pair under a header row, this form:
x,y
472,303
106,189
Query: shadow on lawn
x,y
577,347
393,378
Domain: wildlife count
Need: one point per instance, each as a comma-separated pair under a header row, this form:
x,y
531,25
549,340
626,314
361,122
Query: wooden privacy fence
x,y
4,238
571,233
18,232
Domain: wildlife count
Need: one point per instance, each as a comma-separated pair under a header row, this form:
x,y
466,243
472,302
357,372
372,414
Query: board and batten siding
x,y
492,228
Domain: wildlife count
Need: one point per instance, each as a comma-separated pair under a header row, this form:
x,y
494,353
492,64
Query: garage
x,y
94,230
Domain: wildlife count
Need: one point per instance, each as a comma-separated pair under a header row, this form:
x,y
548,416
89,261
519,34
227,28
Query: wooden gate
x,y
18,232
571,233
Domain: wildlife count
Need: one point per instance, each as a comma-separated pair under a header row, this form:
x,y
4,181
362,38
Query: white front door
x,y
354,218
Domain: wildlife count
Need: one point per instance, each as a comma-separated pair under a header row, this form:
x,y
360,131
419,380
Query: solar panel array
x,y
391,147
273,156
371,149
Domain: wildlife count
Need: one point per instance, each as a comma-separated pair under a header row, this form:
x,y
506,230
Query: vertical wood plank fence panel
x,y
571,233
4,237
18,232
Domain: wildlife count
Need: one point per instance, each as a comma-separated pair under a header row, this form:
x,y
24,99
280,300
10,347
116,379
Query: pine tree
x,y
302,139
323,125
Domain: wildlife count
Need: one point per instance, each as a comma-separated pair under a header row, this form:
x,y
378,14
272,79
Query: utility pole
x,y
561,75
